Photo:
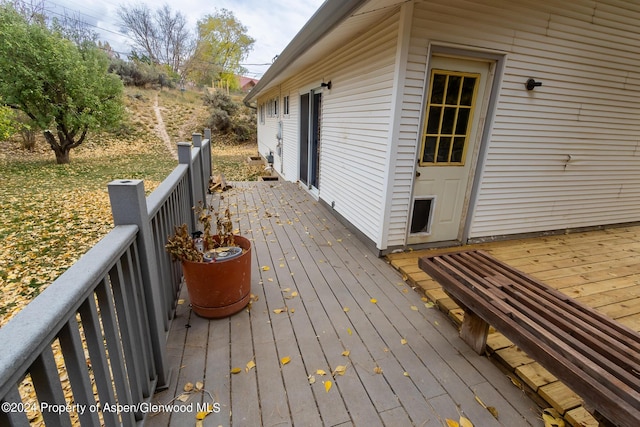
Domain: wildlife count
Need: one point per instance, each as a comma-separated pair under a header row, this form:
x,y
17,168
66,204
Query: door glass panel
x,y
463,121
448,117
468,89
443,149
453,90
458,149
429,153
437,89
433,125
448,120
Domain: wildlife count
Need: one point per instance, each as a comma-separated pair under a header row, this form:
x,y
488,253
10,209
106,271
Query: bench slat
x,y
599,342
594,344
592,363
611,397
622,334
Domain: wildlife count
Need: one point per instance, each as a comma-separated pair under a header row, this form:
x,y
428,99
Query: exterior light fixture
x,y
531,84
327,85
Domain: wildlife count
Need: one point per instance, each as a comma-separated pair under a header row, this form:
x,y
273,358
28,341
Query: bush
x,y
230,117
139,74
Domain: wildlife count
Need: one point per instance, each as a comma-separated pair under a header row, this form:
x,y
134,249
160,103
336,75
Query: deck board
x,y
325,278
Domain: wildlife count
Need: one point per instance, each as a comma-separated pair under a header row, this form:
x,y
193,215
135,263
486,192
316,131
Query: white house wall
x,y
355,125
564,155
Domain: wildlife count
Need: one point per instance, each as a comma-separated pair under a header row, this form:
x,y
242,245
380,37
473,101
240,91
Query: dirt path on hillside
x,y
161,130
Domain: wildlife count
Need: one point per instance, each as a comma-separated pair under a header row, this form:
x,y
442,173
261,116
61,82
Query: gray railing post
x,y
208,164
202,180
129,206
184,158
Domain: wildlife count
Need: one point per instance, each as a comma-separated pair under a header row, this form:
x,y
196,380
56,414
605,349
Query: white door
x,y
450,138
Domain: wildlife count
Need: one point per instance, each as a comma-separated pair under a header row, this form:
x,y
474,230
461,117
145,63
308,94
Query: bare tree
x,y
162,35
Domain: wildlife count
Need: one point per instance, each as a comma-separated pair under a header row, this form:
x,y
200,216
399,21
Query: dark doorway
x,y
310,125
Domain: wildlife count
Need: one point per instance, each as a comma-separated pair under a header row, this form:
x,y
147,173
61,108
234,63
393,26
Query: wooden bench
x,y
598,358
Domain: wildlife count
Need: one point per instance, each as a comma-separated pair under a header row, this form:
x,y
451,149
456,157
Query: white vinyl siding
x,y
355,124
356,128
587,56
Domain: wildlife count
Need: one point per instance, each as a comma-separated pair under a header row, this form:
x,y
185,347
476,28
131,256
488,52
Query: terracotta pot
x,y
220,289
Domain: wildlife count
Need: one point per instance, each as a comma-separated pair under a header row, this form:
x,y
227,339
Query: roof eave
x,y
326,18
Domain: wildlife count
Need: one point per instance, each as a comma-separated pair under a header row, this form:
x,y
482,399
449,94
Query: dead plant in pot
x,y
216,266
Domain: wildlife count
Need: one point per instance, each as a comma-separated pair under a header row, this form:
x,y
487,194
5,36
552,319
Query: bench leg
x,y
474,331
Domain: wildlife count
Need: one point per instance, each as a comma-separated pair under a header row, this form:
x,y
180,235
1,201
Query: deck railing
x,y
92,346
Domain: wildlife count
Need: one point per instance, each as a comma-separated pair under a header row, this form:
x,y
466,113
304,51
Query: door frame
x,y
311,121
498,60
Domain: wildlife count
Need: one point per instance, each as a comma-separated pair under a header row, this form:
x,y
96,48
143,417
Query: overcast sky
x,y
272,23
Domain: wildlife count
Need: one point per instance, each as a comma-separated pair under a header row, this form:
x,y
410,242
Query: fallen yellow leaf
x,y
414,308
465,422
377,370
373,300
493,411
312,379
406,374
346,309
285,360
346,353
327,386
452,423
403,341
201,415
349,331
183,397
340,370
321,372
266,268
199,385
188,387
279,310
250,365
552,418
236,371
294,294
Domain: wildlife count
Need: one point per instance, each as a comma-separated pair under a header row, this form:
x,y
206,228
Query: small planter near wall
x,y
220,288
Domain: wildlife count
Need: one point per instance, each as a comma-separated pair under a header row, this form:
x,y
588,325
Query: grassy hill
x,y
52,214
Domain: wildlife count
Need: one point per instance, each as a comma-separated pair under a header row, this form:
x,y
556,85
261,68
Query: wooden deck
x,y
599,268
324,301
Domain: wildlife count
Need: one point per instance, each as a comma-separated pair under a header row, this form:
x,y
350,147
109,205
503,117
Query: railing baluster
x,y
106,302
75,362
127,334
99,362
14,417
46,381
135,288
